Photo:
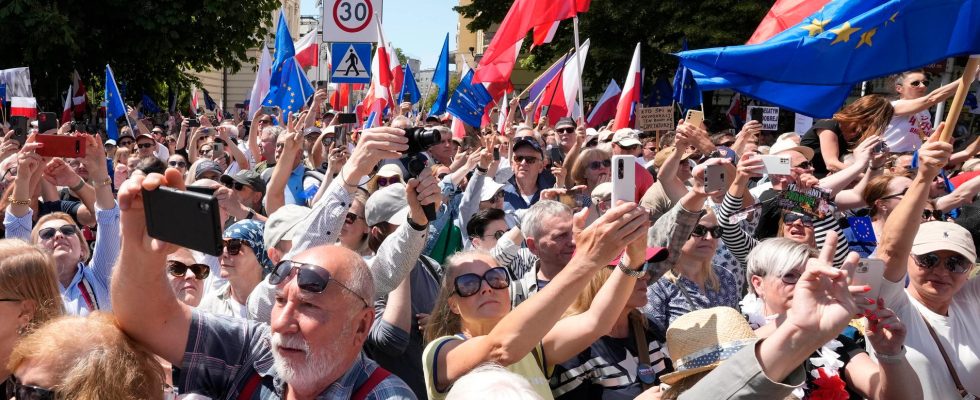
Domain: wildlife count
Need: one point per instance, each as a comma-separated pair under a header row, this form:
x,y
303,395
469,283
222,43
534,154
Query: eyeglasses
x,y
526,159
280,145
804,165
791,277
703,231
351,218
179,269
157,132
3,300
932,215
467,285
565,130
265,121
233,246
310,278
896,195
385,181
919,83
178,164
145,145
791,217
497,235
236,186
48,233
19,391
125,142
441,176
956,264
496,196
597,165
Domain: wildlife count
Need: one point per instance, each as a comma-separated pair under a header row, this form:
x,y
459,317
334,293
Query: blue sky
x,y
418,27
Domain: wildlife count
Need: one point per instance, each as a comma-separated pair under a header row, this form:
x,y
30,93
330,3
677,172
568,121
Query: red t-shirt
x,y
962,178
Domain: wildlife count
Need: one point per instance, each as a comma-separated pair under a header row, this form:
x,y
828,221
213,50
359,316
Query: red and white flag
x,y
631,94
397,73
339,97
260,87
605,108
193,110
502,114
66,111
23,107
458,128
380,77
307,50
79,98
546,33
498,70
560,97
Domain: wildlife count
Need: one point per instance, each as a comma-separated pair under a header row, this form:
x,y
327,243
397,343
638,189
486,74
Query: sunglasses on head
x,y
145,145
19,391
48,233
385,181
597,165
351,218
525,159
956,264
919,83
932,215
233,246
703,231
467,285
309,277
791,217
179,269
178,164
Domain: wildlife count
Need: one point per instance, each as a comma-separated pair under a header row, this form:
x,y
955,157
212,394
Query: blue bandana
x,y
250,232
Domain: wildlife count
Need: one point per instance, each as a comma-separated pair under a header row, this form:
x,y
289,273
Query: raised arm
x,y
862,157
830,150
912,106
230,147
253,137
962,195
966,154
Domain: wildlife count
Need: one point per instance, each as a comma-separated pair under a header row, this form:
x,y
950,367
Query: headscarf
x,y
250,231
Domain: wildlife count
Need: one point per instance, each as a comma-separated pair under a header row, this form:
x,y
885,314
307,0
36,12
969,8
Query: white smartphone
x,y
623,179
869,271
777,165
714,178
694,117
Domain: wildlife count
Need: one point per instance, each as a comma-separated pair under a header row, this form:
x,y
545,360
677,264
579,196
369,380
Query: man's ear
x,y
531,245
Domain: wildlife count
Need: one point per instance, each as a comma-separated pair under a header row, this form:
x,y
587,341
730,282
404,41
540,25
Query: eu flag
x,y
440,77
209,102
661,95
686,91
810,67
288,86
149,105
469,100
410,86
3,94
114,107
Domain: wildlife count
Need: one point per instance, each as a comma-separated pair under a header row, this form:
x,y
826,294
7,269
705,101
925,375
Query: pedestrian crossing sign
x,y
351,63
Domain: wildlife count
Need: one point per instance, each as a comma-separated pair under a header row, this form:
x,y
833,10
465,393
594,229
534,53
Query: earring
x,y
21,330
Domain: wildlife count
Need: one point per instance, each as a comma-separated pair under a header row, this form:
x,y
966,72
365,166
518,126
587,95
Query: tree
x,y
150,44
615,27
426,103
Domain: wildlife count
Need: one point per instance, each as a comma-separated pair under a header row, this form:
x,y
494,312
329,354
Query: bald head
x,y
344,265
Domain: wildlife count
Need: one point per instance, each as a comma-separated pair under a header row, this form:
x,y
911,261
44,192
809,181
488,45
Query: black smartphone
x,y
193,123
321,84
554,153
46,121
19,125
184,218
347,118
270,110
496,153
757,114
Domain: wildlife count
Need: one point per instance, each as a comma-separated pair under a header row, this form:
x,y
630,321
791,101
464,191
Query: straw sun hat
x,y
700,340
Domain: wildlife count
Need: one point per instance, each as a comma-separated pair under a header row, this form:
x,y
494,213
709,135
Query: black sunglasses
x,y
498,234
237,186
48,233
179,269
932,215
919,83
467,285
892,196
178,164
702,231
309,277
385,181
565,130
525,159
125,142
804,165
145,145
351,218
597,165
956,264
20,391
791,217
233,246
791,277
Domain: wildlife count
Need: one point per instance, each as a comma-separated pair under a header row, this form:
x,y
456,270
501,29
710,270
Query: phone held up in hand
x,y
714,178
184,218
61,146
623,179
694,117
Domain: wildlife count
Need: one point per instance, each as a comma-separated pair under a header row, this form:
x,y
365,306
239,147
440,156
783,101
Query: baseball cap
x,y
110,142
389,170
942,235
565,122
388,204
246,177
788,144
626,137
490,188
145,136
527,141
207,166
311,130
432,118
605,135
282,224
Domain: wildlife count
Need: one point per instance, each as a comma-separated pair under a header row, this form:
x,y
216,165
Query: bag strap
x,y
88,294
250,386
949,364
642,347
372,381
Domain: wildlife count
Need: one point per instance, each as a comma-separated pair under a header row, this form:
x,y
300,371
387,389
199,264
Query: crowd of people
x,y
501,268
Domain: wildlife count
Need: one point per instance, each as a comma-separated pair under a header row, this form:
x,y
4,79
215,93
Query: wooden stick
x,y
954,110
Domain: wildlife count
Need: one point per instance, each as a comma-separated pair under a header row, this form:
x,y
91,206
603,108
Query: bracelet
x,y
481,170
891,358
341,173
11,200
251,214
106,182
78,186
635,273
415,226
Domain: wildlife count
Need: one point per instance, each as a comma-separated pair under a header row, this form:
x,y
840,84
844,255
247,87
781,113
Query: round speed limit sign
x,y
350,20
352,15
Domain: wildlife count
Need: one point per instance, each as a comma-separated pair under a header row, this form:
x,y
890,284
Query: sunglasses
x,y
179,269
791,217
565,130
791,277
310,278
956,264
804,165
178,164
526,159
48,233
597,165
265,121
896,195
932,215
441,176
233,246
18,391
145,145
385,181
237,186
919,83
351,218
496,196
727,144
125,142
628,148
703,231
497,235
467,285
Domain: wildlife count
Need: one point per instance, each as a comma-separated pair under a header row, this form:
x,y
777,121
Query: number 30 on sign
x,y
350,20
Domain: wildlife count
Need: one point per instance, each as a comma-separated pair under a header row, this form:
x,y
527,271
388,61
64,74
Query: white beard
x,y
302,374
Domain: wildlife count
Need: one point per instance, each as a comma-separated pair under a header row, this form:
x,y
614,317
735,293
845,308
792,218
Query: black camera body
x,y
419,140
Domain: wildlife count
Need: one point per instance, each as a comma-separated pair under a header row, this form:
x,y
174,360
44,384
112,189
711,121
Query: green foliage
x,y
149,43
615,27
426,104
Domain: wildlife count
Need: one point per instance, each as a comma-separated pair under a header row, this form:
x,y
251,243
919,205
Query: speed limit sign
x,y
350,20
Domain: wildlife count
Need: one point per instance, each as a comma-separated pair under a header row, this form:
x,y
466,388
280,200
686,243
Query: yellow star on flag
x,y
816,26
866,37
843,33
892,18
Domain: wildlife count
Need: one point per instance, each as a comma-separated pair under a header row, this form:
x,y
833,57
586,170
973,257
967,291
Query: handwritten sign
x,y
650,119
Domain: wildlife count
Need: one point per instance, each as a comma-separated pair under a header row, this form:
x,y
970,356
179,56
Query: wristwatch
x,y
636,273
251,214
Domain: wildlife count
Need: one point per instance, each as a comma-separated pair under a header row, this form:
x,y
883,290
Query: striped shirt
x,y
523,268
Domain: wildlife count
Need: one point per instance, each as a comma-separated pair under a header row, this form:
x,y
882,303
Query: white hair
x,y
776,256
491,381
534,217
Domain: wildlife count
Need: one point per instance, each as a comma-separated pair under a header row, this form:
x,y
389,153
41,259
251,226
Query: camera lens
x,y
420,139
204,207
620,165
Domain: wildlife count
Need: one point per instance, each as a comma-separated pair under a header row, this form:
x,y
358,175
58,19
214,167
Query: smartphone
x,y
347,118
714,178
881,147
46,121
544,111
869,271
202,190
694,117
496,153
321,84
193,123
19,125
61,146
756,114
554,153
270,110
184,218
776,165
218,148
623,179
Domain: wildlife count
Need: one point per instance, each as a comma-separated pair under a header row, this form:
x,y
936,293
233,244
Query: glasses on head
x,y
804,165
145,145
309,277
896,195
496,235
565,130
66,230
351,218
956,263
179,269
467,285
385,181
526,159
178,164
791,277
923,82
791,218
236,186
932,215
232,246
702,231
19,391
597,165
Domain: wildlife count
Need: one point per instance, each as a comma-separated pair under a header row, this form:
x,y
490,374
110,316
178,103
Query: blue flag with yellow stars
x,y
661,95
114,107
469,100
686,90
291,93
811,67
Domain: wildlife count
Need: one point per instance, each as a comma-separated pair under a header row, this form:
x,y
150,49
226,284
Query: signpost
x,y
350,20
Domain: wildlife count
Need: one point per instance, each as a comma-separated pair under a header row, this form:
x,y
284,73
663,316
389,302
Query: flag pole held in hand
x,y
954,110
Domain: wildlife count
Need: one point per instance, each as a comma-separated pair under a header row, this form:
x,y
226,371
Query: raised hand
x,y
374,145
58,173
934,154
422,191
823,303
132,214
605,239
885,332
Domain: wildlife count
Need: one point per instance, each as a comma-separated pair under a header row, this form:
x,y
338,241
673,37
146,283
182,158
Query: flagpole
x,y
954,109
578,64
535,81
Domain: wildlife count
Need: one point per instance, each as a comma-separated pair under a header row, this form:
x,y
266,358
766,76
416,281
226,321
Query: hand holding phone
x,y
183,218
777,165
870,272
46,121
61,146
694,117
714,178
623,179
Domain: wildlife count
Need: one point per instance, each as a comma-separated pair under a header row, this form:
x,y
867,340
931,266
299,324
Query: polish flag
x,y
66,111
397,73
544,34
339,97
562,93
23,107
260,87
380,77
459,131
631,94
502,114
193,110
307,50
79,99
499,69
605,108
783,15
